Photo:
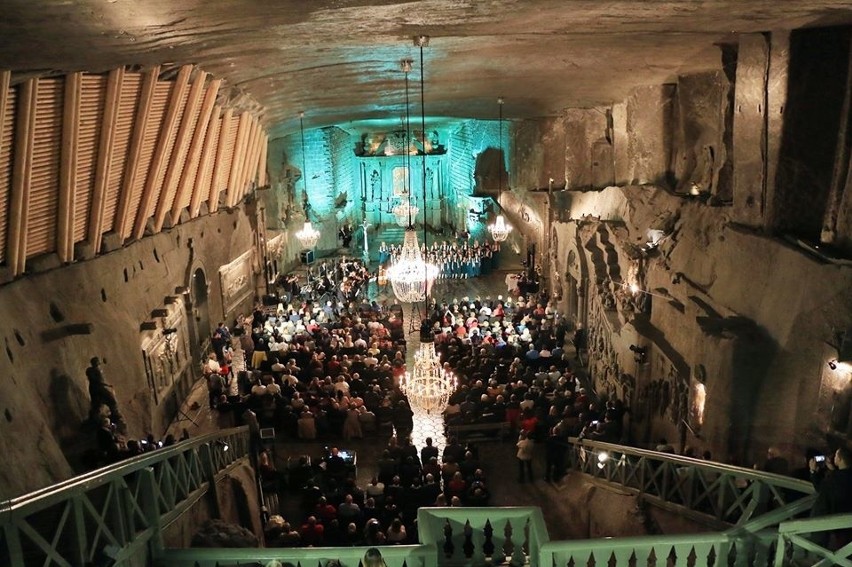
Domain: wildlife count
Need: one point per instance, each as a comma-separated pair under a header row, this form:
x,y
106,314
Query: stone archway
x,y
200,306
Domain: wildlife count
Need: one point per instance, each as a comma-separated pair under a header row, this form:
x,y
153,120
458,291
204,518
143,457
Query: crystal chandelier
x,y
308,236
405,211
429,387
499,229
410,275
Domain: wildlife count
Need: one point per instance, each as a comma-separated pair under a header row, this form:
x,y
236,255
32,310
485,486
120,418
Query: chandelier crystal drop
x,y
410,275
428,387
308,236
404,212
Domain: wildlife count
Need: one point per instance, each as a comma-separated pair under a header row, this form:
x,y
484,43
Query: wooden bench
x,y
480,431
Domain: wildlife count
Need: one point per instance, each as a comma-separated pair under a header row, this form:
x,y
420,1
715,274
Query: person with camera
x,y
834,494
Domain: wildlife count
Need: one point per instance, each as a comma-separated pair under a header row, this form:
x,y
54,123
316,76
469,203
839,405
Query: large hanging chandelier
x,y
428,387
405,211
499,229
308,236
410,275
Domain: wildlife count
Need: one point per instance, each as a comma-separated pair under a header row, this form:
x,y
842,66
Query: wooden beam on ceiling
x,y
68,166
203,180
177,163
146,96
243,175
236,161
215,187
190,177
16,245
263,180
160,158
5,81
104,161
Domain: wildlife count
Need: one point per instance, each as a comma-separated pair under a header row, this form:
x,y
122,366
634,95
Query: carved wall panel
x,y
165,350
236,280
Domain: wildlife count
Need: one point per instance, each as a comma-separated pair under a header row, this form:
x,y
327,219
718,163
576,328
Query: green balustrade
x,y
119,510
392,555
715,494
479,535
116,510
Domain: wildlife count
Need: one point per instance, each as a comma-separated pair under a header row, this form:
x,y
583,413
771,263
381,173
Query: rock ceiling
x,y
339,60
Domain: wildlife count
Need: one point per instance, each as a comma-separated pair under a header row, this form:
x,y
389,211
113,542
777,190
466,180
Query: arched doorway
x,y
200,306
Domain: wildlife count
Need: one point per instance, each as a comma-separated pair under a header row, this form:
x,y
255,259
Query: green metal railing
x,y
392,555
115,511
695,550
715,494
479,535
803,542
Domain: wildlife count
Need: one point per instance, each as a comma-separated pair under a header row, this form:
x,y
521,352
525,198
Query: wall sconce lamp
x,y
640,354
832,364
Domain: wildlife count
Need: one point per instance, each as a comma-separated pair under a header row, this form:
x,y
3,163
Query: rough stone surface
x,y
218,533
341,60
43,373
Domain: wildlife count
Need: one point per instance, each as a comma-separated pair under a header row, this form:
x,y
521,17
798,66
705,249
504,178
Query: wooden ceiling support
x,y
68,166
239,154
146,96
263,180
177,161
203,180
160,159
16,245
189,176
216,186
104,160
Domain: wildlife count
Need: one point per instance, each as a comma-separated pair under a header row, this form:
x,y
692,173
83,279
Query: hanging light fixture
x,y
308,236
410,275
428,388
499,229
405,211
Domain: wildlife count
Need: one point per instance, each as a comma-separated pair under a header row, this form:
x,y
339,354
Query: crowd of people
x,y
509,359
453,260
336,511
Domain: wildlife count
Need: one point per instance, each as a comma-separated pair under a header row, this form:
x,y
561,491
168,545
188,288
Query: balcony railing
x,y
484,535
391,555
694,550
804,542
116,510
715,494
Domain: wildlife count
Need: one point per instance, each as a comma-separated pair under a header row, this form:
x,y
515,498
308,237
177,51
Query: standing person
x,y
525,456
834,496
101,394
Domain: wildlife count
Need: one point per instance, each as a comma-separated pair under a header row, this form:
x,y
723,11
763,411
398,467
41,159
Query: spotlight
x,y
224,445
832,364
603,457
634,288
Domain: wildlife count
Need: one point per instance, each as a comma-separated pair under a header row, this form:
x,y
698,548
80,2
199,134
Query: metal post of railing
x,y
151,509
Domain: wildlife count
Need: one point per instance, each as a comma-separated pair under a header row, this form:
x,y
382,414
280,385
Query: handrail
x,y
484,532
798,540
423,555
99,476
742,472
120,508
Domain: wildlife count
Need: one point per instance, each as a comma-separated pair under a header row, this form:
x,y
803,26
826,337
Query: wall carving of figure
x,y
375,184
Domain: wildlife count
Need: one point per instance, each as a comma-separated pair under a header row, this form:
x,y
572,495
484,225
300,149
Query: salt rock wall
x,y
54,322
